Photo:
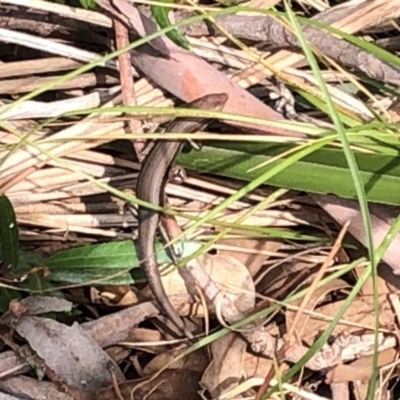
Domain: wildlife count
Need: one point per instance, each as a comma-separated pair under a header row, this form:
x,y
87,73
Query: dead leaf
x,y
360,370
392,281
343,210
226,368
68,351
142,335
230,275
27,388
251,259
196,361
256,366
113,296
274,279
361,312
170,385
234,279
368,287
106,331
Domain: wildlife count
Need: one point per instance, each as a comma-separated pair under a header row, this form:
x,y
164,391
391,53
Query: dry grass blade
x,y
68,166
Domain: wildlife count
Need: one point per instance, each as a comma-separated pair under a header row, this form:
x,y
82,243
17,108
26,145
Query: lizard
x,y
150,188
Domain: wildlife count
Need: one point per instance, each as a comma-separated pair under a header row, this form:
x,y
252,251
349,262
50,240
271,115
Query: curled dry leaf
x,y
233,279
231,276
113,296
144,335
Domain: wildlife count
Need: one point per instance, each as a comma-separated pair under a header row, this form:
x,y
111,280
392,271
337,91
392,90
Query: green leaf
x,y
107,263
324,171
88,3
160,14
8,233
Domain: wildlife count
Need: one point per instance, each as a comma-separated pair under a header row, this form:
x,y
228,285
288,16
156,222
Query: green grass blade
x,y
323,171
160,14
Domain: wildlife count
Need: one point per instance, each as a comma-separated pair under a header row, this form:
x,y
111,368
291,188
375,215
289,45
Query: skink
x,y
150,188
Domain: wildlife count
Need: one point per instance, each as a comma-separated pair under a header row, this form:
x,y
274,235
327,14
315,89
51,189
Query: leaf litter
x,y
75,327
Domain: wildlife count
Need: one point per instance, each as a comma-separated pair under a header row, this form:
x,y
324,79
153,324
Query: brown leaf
x,y
360,370
252,260
196,361
361,312
226,367
68,351
170,385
